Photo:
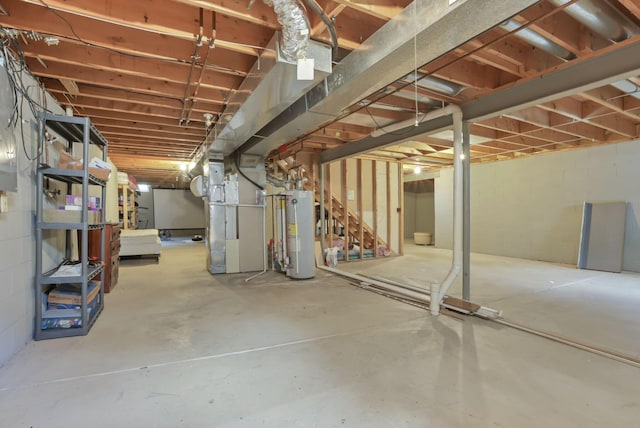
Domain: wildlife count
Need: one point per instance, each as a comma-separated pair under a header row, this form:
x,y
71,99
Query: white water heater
x,y
300,260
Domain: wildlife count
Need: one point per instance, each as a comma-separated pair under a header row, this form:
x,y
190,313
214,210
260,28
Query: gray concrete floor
x,y
177,347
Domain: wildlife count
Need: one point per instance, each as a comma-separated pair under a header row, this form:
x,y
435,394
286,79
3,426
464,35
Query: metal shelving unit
x,y
69,322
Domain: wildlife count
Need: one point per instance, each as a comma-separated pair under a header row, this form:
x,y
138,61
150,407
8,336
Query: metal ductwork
x,y
295,28
436,84
629,88
537,40
269,88
602,18
436,26
421,98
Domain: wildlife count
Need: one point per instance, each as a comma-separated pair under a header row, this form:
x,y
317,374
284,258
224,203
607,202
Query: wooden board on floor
x,y
319,257
462,304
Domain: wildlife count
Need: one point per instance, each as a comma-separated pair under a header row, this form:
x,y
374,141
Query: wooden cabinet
x,y
111,253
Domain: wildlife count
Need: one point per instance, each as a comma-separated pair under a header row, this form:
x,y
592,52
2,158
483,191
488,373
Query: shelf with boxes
x,y
69,295
128,201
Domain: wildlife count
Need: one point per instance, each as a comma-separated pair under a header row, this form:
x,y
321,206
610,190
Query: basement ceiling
x,y
146,73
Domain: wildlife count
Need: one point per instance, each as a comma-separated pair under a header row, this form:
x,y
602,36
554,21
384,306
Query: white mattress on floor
x,y
139,236
140,242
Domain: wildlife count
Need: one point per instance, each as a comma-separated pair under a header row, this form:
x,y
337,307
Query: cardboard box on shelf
x,y
66,161
100,173
68,216
101,170
69,294
75,200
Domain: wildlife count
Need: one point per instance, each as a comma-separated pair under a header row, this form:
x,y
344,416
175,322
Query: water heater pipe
x,y
295,220
284,233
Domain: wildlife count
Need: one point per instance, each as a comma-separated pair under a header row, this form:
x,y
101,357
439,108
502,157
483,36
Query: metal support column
x,y
466,212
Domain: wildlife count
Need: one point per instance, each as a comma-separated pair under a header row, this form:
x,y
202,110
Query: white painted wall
x,y
410,201
17,243
532,207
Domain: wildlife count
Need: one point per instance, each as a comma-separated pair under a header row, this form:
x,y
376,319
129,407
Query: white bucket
x,y
422,238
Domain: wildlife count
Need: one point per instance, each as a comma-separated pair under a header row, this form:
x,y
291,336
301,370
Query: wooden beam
x,y
163,137
376,9
137,118
27,16
632,5
196,131
259,14
110,79
100,59
168,19
558,27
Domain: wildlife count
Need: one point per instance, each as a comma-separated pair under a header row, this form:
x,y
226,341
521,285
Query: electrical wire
x,y
381,127
141,56
236,157
15,66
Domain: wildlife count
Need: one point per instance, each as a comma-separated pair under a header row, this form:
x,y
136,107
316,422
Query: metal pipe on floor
x,y
626,359
419,296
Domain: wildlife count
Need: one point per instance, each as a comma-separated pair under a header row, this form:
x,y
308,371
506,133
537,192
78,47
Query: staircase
x,y
339,212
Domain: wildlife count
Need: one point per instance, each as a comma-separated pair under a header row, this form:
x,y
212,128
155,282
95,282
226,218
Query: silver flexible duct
x,y
536,39
601,17
295,28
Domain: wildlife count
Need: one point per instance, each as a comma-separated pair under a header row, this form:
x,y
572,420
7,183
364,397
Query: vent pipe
x,y
537,40
295,28
436,84
602,18
627,87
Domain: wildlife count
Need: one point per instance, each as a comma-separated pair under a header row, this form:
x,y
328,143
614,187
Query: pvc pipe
x,y
456,264
295,221
434,304
284,232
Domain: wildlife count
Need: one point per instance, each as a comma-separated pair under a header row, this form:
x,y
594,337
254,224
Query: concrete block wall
x,y
17,242
532,207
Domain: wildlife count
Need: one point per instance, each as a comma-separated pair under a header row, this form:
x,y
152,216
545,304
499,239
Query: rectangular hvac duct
x,y
270,87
